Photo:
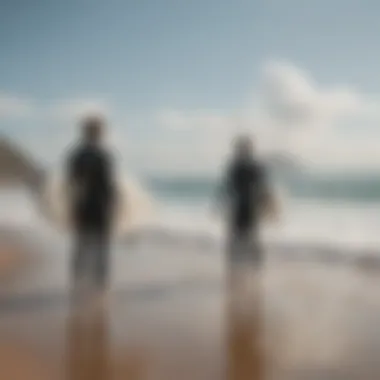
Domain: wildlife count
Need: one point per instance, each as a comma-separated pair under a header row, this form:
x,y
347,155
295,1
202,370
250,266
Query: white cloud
x,y
200,119
51,127
293,98
326,125
331,126
65,110
172,119
175,159
73,109
14,107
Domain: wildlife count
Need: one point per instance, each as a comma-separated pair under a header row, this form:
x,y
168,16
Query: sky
x,y
178,79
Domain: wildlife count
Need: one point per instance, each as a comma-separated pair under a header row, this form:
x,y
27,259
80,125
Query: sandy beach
x,y
173,316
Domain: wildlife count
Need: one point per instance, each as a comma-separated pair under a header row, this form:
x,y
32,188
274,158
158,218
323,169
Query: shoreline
x,y
173,313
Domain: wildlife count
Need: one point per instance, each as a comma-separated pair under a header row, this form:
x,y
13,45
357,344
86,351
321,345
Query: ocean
x,y
334,211
329,210
183,238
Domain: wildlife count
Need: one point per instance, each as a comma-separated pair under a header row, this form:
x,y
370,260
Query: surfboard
x,y
134,206
271,207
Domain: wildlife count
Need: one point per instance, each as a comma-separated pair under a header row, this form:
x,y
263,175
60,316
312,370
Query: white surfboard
x,y
134,205
271,209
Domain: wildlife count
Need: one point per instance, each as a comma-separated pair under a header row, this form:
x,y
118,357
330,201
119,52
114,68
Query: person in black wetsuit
x,y
90,176
244,191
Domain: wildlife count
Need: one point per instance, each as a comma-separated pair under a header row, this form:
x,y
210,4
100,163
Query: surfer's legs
x,y
79,258
101,260
244,245
255,247
79,264
237,246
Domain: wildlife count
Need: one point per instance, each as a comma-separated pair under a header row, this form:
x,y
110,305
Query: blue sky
x,y
140,59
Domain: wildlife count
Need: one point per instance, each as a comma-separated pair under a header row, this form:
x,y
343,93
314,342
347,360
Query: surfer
x,y
92,195
244,191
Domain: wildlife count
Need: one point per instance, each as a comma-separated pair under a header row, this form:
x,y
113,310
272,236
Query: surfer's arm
x,y
73,173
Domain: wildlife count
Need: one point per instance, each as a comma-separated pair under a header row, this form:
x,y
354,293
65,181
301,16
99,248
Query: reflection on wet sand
x,y
244,326
14,258
18,362
296,321
88,350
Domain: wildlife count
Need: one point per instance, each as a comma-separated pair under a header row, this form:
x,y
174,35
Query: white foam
x,y
333,224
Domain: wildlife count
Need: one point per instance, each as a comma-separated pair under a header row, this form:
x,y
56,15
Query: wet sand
x,y
291,320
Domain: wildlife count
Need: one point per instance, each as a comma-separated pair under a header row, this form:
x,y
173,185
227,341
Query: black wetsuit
x,y
90,171
245,188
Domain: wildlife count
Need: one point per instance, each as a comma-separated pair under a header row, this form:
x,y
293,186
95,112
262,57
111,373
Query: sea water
x,y
344,214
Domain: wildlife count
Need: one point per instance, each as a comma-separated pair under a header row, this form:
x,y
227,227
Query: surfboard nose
x,y
17,166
